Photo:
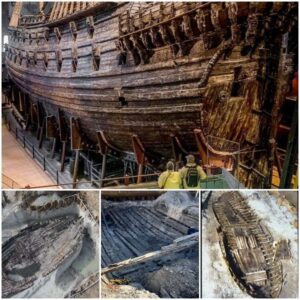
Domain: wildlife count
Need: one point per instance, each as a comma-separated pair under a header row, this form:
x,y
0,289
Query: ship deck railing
x,y
33,150
223,180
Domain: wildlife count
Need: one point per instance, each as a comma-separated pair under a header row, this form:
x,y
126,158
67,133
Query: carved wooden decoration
x,y
90,26
59,60
45,61
35,57
46,34
73,30
223,68
74,59
96,53
57,34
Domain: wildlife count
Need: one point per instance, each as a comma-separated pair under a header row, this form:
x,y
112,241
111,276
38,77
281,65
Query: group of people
x,y
187,177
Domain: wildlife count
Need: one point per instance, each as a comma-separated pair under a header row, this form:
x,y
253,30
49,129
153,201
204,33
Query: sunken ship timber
x,y
247,247
157,79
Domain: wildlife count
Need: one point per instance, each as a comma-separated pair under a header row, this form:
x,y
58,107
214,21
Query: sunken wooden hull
x,y
247,247
210,68
138,230
26,258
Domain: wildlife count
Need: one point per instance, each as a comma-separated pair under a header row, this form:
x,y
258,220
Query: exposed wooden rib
x,y
71,9
61,10
16,15
256,255
57,10
216,157
129,226
178,245
78,6
66,6
53,11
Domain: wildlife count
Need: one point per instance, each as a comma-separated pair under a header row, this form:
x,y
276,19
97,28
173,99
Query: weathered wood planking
x,y
161,69
247,246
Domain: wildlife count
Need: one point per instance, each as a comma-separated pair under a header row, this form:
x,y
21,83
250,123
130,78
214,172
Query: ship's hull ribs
x,y
247,247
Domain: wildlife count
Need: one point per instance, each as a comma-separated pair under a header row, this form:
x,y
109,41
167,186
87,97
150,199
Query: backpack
x,y
192,176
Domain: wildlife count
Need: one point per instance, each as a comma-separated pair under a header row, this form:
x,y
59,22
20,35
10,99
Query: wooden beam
x,y
178,245
102,144
53,11
61,10
71,9
53,147
57,10
51,127
41,133
140,173
77,6
121,195
76,138
63,156
177,149
21,105
139,152
278,163
66,8
62,126
14,21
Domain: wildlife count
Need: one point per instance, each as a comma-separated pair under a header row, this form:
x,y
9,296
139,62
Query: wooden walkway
x,y
19,166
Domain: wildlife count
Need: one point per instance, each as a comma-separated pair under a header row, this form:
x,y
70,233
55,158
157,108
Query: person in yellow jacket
x,y
169,179
191,174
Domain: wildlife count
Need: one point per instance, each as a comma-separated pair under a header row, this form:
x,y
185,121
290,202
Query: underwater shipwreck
x,y
50,245
150,245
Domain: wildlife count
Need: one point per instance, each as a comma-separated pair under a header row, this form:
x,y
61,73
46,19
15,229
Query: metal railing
x,y
35,152
222,180
7,182
91,170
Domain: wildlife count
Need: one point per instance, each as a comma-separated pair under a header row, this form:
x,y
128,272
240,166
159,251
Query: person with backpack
x,y
191,174
169,179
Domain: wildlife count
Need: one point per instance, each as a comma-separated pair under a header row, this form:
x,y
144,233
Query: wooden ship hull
x,y
43,251
247,247
147,77
146,238
26,259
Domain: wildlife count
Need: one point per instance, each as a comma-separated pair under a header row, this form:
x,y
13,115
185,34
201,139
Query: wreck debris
x,y
283,250
26,252
247,246
153,237
47,234
178,245
88,283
